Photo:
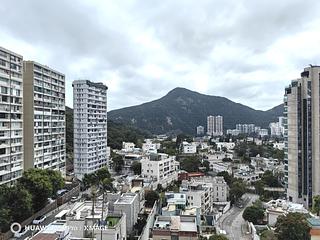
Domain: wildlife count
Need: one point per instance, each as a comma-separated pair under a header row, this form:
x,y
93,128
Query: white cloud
x,y
247,51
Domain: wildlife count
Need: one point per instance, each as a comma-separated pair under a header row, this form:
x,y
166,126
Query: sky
x,y
245,50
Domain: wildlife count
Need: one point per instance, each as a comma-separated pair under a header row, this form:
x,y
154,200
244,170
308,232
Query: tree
x,y
151,197
294,225
190,164
218,237
136,168
19,203
268,235
96,178
5,219
56,180
269,179
206,164
237,189
253,214
226,176
316,204
118,163
37,182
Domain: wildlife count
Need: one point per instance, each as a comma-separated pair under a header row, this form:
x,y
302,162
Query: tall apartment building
x,y
11,117
200,130
90,126
302,137
219,125
44,117
215,125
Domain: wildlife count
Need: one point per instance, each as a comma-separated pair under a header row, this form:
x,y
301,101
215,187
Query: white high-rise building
x,y
218,125
210,125
90,126
11,117
200,130
215,125
44,117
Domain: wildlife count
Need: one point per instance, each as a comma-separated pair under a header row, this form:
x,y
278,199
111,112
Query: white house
x,y
160,168
189,148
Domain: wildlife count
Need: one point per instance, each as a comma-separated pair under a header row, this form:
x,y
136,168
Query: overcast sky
x,y
247,51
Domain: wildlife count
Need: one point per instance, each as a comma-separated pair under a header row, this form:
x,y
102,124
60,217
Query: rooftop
x,y
112,221
126,198
314,222
176,223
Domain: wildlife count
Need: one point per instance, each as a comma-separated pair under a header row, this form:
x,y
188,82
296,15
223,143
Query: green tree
x,y
38,183
316,204
269,179
118,163
19,203
56,180
206,164
253,214
227,177
136,168
294,225
218,237
259,187
237,189
95,178
268,235
190,164
151,197
5,219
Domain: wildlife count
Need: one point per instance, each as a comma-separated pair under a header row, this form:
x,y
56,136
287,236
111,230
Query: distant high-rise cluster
x,y
277,128
215,125
302,137
248,129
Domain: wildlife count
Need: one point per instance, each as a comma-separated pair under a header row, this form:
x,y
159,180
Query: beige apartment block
x,y
44,117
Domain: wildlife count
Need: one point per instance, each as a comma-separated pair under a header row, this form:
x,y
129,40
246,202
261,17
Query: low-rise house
x,y
314,224
203,192
129,204
128,146
175,227
189,148
86,221
276,208
160,168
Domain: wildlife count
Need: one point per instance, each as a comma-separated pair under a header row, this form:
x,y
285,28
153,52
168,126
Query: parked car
x,y
39,220
22,232
75,199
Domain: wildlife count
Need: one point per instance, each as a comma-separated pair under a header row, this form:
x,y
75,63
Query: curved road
x,y
233,223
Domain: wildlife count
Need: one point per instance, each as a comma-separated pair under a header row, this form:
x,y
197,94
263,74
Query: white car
x,y
22,232
39,220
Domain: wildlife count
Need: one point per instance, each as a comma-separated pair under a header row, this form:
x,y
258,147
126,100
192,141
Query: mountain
x,y
117,133
181,110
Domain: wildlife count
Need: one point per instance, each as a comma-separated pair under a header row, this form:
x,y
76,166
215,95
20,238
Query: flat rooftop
x,y
176,223
126,198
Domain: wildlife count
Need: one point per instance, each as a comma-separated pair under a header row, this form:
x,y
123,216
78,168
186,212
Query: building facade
x,y
302,137
200,130
215,125
11,117
44,117
90,126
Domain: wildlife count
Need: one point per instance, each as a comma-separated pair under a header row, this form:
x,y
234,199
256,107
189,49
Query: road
x,y
50,218
233,223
